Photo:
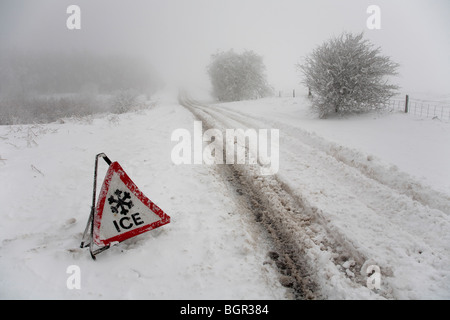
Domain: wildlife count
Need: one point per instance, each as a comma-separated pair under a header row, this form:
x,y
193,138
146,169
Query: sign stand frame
x,y
88,238
151,215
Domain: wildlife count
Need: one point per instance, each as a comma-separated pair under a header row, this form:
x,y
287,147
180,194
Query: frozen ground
x,y
378,183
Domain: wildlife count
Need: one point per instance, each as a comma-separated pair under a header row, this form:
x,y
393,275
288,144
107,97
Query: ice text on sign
x,y
125,222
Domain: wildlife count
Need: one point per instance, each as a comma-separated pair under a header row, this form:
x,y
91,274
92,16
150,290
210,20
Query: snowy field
x,y
208,251
389,200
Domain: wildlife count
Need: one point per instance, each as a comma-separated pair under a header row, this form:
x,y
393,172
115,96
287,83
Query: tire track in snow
x,y
401,222
369,185
298,232
365,164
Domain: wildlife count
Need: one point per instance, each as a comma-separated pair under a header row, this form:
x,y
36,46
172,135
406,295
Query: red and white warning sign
x,y
123,211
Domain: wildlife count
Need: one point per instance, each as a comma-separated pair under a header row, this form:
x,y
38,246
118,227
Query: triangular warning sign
x,y
122,210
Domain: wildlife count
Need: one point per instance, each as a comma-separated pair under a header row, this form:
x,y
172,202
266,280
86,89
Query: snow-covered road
x,y
345,211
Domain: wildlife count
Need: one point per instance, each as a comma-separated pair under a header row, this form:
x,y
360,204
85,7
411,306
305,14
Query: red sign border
x,y
116,168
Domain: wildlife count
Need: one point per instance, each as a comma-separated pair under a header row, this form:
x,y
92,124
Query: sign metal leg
x,y
89,242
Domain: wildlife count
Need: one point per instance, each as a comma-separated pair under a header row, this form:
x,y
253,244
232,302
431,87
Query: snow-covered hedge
x,y
347,74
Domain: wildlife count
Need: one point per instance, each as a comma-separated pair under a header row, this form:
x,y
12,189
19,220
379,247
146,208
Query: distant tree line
x,y
44,87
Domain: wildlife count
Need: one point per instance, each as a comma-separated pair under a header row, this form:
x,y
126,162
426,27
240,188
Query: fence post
x,y
406,103
293,93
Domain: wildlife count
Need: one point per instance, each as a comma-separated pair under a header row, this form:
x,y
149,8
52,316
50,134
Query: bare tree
x,y
347,74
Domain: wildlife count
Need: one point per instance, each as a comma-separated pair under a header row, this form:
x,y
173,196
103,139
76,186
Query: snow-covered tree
x,y
237,77
347,74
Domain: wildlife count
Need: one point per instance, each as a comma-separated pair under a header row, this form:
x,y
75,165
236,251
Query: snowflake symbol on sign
x,y
120,202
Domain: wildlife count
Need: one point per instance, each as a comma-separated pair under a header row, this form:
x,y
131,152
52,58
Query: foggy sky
x,y
179,36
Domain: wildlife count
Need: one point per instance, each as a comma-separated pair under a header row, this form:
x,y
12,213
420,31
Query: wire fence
x,y
422,108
